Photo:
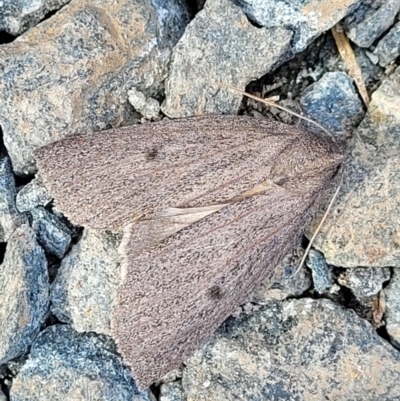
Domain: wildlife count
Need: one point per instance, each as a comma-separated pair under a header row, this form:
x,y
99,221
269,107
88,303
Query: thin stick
x,y
273,104
306,252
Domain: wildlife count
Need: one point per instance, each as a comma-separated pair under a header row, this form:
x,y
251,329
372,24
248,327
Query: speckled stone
x,y
388,48
371,21
392,313
334,103
307,19
24,293
321,272
16,16
72,72
219,46
66,365
85,289
363,227
31,195
301,350
10,218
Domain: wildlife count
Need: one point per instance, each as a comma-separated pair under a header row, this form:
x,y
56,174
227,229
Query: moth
x,y
208,206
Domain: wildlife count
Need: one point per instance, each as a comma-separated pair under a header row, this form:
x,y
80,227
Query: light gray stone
x,y
363,227
172,392
33,194
16,16
377,17
66,365
72,72
307,19
388,48
52,234
392,313
85,289
321,272
24,293
219,46
10,218
286,283
334,103
365,281
148,107
299,350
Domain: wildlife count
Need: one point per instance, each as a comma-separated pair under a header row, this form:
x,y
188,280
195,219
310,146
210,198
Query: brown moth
x,y
209,206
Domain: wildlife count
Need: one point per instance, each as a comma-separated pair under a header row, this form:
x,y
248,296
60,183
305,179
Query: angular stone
x,y
72,72
365,281
363,227
334,103
33,194
172,392
376,19
10,218
52,234
85,289
392,313
24,293
321,272
295,350
66,365
388,48
307,19
16,16
219,46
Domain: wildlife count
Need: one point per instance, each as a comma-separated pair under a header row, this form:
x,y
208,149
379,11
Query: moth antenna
x,y
307,251
270,102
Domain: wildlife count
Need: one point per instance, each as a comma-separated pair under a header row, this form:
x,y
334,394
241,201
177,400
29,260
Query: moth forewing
x,y
224,198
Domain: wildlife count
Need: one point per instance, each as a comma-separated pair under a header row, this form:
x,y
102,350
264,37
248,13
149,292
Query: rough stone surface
x,y
32,194
172,392
334,103
73,71
16,16
66,365
85,289
219,46
24,293
321,272
388,48
307,19
365,281
368,24
363,227
286,283
305,350
52,234
392,315
10,218
148,107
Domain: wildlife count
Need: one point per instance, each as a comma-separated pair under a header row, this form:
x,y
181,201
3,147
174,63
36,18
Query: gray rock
x,y
286,283
148,107
16,16
73,71
3,397
334,103
363,227
85,289
321,272
24,293
172,392
52,234
365,281
33,194
306,19
295,350
365,27
388,48
392,313
10,218
219,46
66,365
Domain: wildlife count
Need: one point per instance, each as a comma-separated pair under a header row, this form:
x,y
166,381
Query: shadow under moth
x,y
209,206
